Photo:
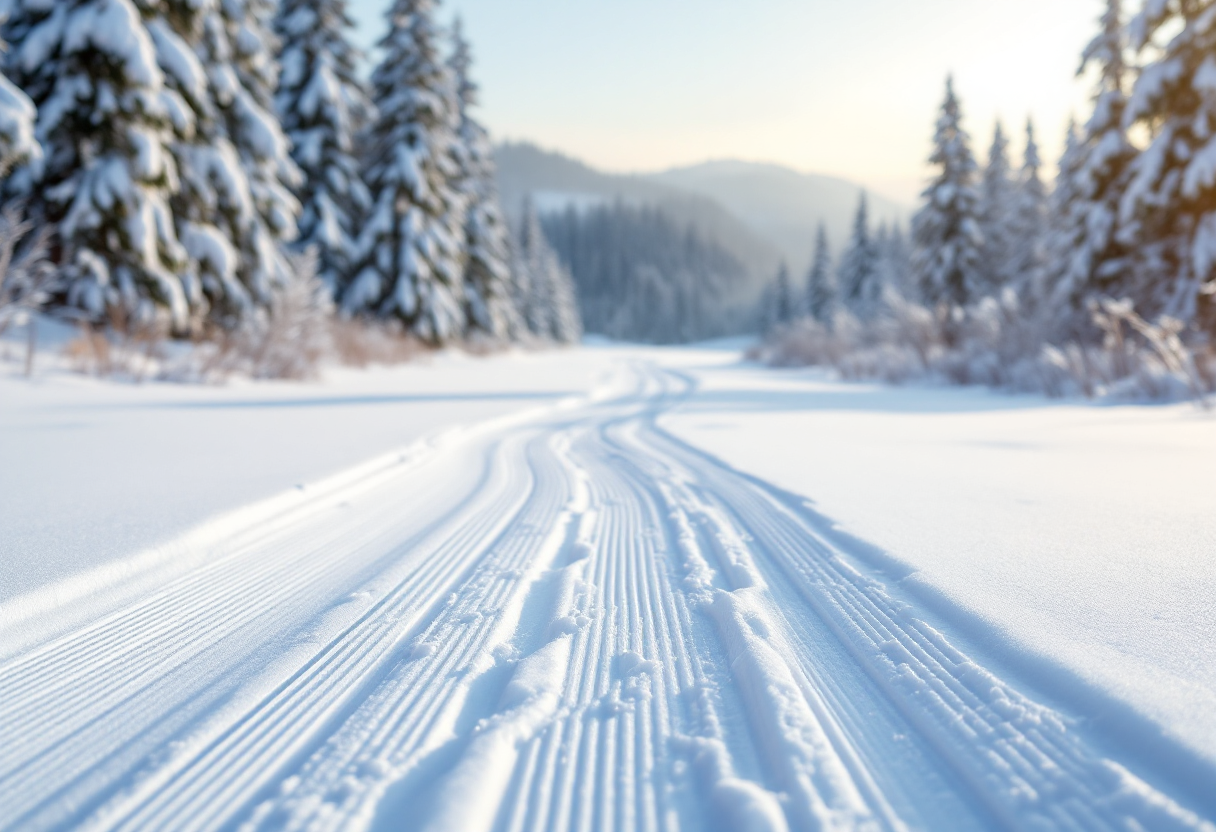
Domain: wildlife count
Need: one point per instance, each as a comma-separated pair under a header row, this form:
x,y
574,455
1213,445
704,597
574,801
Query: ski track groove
x,y
597,624
284,723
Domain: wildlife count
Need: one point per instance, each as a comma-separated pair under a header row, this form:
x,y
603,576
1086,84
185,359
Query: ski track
x,y
574,621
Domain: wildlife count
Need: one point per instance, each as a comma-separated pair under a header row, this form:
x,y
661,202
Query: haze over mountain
x,y
555,181
763,213
782,204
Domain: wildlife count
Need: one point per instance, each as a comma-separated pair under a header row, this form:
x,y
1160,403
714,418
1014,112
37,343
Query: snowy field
x,y
604,588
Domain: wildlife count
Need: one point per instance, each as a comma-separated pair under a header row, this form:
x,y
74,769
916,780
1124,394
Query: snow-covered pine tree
x,y
946,237
412,247
567,322
264,150
1086,258
1066,269
820,284
897,263
1028,222
1168,211
323,106
996,209
545,294
18,144
858,275
234,211
783,308
489,304
104,122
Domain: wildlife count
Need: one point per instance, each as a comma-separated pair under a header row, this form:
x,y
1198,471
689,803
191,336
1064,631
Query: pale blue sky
x,y
846,87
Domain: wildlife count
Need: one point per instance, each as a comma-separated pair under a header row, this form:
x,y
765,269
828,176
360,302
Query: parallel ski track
x,y
595,627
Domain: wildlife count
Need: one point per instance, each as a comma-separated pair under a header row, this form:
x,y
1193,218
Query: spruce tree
x,y
1168,211
263,149
412,247
1028,221
859,276
489,304
820,285
18,145
783,298
996,209
545,294
104,121
1067,269
1087,258
323,106
234,211
896,259
946,236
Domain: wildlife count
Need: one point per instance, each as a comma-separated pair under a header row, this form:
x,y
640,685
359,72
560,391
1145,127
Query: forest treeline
x,y
642,276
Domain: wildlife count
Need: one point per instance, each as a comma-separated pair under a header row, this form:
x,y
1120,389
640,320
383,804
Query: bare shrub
x,y
997,344
287,340
360,343
290,340
27,278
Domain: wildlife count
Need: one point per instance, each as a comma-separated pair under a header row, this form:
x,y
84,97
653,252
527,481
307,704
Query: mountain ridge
x,y
764,212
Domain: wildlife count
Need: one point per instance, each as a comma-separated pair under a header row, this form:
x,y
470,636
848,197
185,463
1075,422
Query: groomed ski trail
x,y
566,620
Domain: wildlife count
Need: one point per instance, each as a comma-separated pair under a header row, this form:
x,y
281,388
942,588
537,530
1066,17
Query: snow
x,y
128,467
586,589
1073,540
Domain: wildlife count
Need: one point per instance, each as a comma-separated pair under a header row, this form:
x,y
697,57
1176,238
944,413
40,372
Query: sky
x,y
843,87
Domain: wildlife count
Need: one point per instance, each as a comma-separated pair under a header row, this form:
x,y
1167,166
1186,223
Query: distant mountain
x,y
762,213
556,181
782,204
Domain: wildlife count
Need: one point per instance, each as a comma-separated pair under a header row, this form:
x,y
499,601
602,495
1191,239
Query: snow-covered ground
x,y
1076,542
586,590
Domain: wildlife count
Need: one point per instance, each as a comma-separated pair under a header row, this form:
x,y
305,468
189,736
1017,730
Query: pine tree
x,y
567,322
323,106
859,276
820,285
104,121
1168,211
946,236
412,253
1028,221
996,208
1066,276
18,145
545,294
896,259
783,298
234,211
263,149
487,278
1087,259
